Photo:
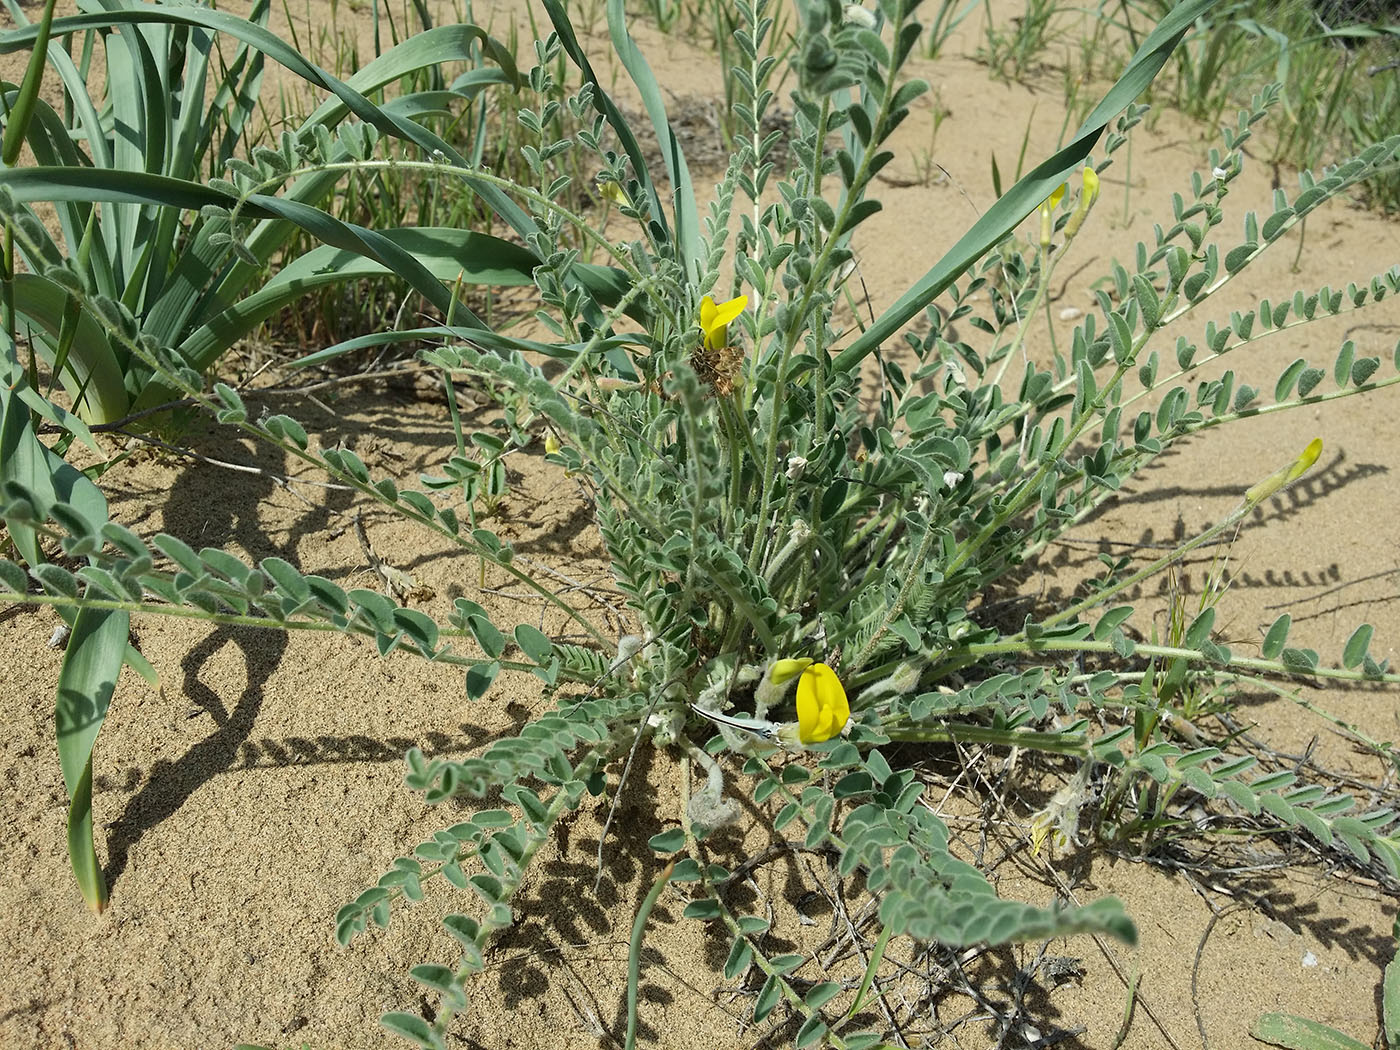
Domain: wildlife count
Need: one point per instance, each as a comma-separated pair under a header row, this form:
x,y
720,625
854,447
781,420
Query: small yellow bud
x,y
1259,493
612,191
1090,192
1047,215
784,671
551,443
1087,195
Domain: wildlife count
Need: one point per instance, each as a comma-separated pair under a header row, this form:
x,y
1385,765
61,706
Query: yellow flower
x,y
714,319
822,708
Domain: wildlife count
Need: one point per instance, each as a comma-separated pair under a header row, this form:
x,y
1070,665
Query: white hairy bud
x,y
855,15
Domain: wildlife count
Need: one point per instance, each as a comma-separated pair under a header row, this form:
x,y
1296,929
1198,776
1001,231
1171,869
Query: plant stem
x,y
634,951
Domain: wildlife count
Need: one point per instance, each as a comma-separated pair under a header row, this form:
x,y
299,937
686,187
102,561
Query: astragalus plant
x,y
803,516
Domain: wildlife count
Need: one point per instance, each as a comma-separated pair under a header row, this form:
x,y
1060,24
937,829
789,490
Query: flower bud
x,y
784,671
855,15
1047,215
1087,196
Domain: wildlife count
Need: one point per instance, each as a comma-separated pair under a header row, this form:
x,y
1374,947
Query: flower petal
x,y
726,312
784,671
1091,184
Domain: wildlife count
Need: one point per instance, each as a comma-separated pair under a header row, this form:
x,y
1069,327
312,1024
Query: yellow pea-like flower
x,y
822,707
715,318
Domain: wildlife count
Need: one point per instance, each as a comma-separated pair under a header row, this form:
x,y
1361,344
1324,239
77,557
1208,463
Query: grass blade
x,y
682,192
23,110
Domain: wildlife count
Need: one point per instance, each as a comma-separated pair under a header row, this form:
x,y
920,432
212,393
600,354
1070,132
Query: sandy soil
x,y
260,787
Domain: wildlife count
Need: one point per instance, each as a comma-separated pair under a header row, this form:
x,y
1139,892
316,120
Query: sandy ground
x,y
260,787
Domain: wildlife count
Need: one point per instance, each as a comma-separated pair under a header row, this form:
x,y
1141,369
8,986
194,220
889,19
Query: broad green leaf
x,y
533,643
413,1028
1298,1033
85,685
1276,637
1357,645
667,841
